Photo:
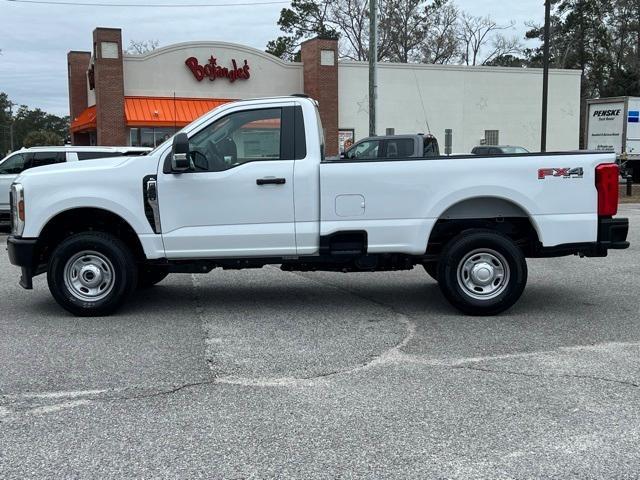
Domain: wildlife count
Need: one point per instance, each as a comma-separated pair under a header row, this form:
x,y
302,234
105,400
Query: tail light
x,y
608,189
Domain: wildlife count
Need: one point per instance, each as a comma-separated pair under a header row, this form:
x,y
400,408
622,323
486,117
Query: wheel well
x,y
518,229
80,220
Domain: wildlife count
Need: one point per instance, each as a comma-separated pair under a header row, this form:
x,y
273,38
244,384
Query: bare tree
x,y
351,18
501,46
441,43
478,33
402,28
142,47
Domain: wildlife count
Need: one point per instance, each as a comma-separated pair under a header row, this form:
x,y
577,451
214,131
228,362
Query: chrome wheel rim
x,y
89,276
483,274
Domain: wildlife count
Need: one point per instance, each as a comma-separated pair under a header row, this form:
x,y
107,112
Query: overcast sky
x,y
36,38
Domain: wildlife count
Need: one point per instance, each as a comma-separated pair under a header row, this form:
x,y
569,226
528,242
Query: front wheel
x,y
92,274
482,272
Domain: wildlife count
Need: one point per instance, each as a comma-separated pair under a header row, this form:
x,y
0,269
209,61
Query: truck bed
x,y
398,201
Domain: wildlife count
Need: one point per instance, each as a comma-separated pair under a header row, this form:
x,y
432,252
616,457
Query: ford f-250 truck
x,y
248,185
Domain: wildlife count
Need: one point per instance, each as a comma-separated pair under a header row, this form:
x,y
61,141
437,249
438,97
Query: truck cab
x,y
248,185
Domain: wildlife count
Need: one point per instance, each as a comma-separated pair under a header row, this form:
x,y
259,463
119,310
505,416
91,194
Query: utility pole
x,y
11,124
373,58
545,75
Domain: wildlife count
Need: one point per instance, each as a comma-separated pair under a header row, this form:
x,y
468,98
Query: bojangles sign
x,y
212,70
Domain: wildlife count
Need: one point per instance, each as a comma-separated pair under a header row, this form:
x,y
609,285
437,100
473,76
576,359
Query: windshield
x,y
514,150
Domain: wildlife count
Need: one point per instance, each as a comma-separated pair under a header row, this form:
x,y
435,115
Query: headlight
x,y
17,209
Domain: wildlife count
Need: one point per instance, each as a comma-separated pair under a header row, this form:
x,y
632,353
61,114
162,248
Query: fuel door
x,y
351,205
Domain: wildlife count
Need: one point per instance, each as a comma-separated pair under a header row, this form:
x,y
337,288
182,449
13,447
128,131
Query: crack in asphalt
x,y
384,357
395,355
539,375
36,403
170,391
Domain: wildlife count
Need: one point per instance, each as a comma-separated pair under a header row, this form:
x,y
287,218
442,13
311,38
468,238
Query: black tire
x,y
475,257
432,269
92,257
148,276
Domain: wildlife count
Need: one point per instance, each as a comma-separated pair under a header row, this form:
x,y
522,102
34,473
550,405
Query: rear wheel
x,y
91,274
482,272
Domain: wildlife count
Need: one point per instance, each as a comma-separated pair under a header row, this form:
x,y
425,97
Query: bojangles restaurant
x,y
121,99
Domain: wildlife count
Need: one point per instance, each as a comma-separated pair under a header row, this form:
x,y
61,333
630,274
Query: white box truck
x,y
613,125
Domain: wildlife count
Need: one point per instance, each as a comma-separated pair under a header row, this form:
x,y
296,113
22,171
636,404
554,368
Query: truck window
x,y
240,137
92,155
41,159
13,165
366,150
400,148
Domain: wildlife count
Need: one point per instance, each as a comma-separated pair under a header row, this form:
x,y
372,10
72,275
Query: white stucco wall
x,y
468,100
163,73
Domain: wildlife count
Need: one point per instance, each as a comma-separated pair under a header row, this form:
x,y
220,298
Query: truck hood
x,y
91,170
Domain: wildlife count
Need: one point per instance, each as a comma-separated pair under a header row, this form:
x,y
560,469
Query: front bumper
x,y
22,253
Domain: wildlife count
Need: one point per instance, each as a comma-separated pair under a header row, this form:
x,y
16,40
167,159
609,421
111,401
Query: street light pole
x,y
545,75
373,57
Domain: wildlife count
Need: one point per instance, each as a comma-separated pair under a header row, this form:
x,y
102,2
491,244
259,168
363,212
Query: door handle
x,y
271,181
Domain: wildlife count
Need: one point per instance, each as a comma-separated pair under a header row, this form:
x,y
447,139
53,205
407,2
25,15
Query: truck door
x,y
236,200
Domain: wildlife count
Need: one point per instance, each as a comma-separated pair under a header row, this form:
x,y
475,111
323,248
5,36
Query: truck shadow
x,y
301,299
539,304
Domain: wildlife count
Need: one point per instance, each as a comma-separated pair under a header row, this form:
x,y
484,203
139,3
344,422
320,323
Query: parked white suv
x,y
17,162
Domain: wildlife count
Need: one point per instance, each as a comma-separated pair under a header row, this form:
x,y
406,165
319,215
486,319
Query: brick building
x,y
121,99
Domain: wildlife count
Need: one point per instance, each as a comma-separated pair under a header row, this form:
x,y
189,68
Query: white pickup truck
x,y
248,185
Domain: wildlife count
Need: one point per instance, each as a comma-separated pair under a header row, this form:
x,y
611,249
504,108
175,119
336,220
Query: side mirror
x,y
343,156
180,153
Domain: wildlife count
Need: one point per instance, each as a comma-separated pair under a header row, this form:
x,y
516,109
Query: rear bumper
x,y
612,235
22,254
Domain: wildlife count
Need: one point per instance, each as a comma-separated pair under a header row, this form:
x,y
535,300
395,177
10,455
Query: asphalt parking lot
x,y
260,374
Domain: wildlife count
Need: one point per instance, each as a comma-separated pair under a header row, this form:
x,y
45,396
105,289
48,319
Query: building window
x,y
149,137
492,137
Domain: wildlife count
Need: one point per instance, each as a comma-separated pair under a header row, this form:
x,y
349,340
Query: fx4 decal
x,y
560,172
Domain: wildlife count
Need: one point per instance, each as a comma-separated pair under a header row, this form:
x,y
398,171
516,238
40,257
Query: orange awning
x,y
85,121
153,112
167,112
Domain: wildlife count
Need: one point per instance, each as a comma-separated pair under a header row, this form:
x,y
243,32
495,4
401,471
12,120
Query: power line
x,y
152,5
